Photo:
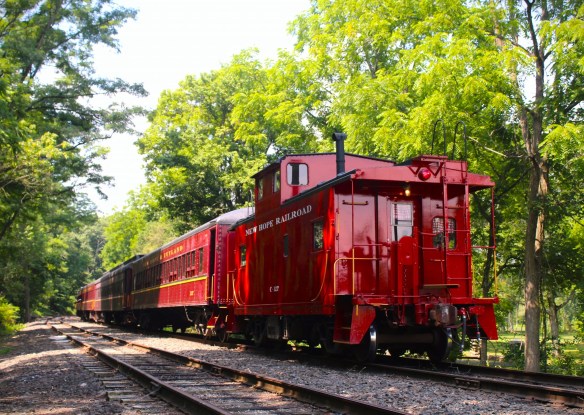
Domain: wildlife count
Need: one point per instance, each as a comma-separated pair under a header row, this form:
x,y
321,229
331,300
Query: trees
x,y
139,228
50,130
50,127
209,136
381,71
546,40
391,68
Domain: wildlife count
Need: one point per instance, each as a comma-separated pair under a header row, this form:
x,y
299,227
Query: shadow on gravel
x,y
39,375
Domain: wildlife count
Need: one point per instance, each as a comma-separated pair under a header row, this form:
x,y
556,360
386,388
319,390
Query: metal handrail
x,y
465,139
443,134
352,259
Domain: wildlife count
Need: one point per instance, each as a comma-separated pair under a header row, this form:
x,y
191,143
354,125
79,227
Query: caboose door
x,y
444,237
401,216
356,267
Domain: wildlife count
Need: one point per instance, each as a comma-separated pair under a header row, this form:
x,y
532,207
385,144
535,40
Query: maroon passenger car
x,y
180,284
377,257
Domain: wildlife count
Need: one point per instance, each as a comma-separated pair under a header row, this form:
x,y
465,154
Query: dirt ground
x,y
40,373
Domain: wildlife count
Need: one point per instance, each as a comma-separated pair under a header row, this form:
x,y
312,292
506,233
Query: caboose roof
x,y
311,156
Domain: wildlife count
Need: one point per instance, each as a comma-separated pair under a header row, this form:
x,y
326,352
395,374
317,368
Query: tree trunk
x,y
532,281
534,237
531,122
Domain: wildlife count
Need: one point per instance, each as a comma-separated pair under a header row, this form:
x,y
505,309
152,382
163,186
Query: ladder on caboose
x,y
462,232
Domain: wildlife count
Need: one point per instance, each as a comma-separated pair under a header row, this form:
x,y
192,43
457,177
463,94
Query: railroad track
x,y
200,387
544,387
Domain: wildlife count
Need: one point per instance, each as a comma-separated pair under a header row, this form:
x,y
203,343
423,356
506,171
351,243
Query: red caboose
x,y
374,255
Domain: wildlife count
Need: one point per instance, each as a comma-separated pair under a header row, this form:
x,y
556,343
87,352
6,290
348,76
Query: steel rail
x,y
305,394
549,379
519,375
165,391
555,394
538,386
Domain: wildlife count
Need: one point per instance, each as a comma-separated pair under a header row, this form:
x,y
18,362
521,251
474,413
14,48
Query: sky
x,y
171,39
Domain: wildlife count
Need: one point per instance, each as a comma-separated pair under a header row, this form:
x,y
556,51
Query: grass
x,y
570,360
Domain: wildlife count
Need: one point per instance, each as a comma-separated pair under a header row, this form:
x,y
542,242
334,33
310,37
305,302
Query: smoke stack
x,y
339,139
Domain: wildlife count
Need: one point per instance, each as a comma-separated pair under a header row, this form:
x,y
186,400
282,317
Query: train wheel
x,y
442,345
367,349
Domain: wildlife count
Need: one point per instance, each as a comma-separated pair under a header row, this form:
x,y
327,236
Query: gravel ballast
x,y
43,373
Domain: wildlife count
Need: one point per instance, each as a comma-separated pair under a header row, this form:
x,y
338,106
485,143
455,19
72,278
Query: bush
x,y
566,364
8,317
579,327
514,354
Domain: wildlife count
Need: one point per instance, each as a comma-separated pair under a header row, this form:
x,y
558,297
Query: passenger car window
x,y
242,257
201,257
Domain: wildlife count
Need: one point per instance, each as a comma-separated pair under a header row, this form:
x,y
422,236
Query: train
x,y
344,252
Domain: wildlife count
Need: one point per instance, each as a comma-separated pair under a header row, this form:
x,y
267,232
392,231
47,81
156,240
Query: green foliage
x,y
565,364
138,228
381,71
514,354
579,327
384,72
390,69
49,144
8,317
208,137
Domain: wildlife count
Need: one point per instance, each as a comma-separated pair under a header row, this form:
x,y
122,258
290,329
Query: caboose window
x,y
297,174
317,235
402,220
438,231
242,257
276,182
260,188
286,246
